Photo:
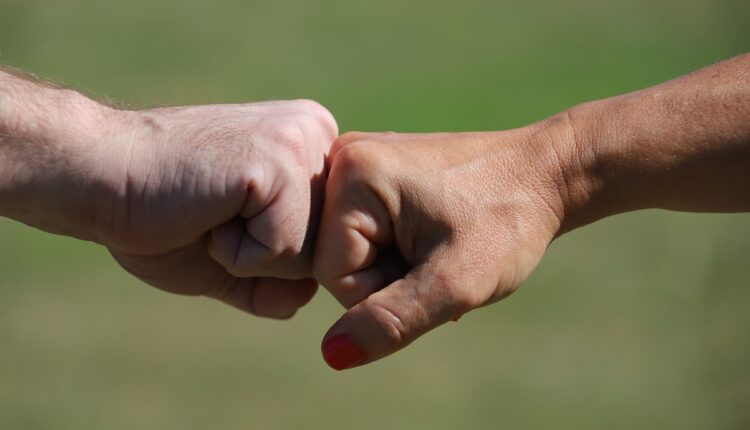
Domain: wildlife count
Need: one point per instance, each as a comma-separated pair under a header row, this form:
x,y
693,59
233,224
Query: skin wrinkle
x,y
233,284
162,179
297,240
127,187
275,196
487,209
357,228
444,289
393,328
476,208
246,240
576,155
552,174
221,292
252,296
315,207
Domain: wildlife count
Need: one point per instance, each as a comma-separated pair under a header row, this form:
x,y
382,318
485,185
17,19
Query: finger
x,y
348,138
267,297
354,226
309,108
352,136
326,120
190,271
392,318
281,298
234,248
387,267
270,241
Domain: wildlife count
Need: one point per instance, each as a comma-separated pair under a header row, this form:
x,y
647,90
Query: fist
x,y
220,200
419,229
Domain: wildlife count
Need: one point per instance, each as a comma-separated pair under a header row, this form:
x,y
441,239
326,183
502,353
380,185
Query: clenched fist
x,y
420,228
221,200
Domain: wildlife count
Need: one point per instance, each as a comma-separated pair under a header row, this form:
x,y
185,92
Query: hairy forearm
x,y
683,145
48,154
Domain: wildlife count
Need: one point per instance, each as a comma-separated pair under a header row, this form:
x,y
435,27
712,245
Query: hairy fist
x,y
220,200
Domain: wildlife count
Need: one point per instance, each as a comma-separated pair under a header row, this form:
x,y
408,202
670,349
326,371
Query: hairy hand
x,y
220,200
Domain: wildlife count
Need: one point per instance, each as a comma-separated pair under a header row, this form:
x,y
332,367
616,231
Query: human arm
x,y
218,200
419,229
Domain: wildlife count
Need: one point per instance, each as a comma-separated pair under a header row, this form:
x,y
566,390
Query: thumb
x,y
270,235
395,316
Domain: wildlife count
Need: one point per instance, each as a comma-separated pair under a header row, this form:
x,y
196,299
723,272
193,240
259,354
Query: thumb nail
x,y
340,352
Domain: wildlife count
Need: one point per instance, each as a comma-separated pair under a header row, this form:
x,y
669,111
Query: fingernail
x,y
340,352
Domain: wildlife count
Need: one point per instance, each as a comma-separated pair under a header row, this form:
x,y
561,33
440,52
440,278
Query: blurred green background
x,y
639,321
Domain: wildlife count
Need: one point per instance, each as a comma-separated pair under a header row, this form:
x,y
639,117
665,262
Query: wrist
x,y
604,160
53,170
566,162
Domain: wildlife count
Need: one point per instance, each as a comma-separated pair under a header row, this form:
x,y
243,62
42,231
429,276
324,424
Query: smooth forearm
x,y
50,162
683,145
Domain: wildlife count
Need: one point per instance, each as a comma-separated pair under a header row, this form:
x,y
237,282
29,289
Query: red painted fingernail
x,y
340,352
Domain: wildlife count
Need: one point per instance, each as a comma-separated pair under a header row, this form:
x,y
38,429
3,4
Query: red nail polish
x,y
340,352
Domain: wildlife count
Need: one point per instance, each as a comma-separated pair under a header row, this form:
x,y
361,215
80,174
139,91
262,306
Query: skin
x,y
200,200
416,230
419,229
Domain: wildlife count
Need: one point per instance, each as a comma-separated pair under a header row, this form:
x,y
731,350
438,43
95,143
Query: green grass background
x,y
639,321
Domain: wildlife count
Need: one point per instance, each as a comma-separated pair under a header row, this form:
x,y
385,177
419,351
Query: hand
x,y
418,229
221,201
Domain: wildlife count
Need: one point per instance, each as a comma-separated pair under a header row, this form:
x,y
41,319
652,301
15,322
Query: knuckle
x,y
346,139
229,260
309,105
281,262
357,156
289,247
349,136
290,139
390,134
251,181
279,242
395,333
323,117
310,124
238,271
289,133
